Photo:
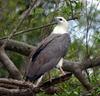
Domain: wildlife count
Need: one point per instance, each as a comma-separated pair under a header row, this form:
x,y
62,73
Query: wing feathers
x,y
41,47
47,55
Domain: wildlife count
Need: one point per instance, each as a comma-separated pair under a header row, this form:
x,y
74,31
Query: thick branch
x,y
57,80
89,63
10,87
77,67
82,79
17,46
8,64
17,83
16,92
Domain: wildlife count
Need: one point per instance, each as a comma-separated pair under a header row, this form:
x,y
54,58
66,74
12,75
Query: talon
x,y
62,72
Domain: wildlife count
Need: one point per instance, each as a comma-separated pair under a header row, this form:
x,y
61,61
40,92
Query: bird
x,y
50,51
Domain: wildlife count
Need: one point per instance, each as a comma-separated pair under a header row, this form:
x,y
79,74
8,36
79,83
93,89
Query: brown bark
x,y
57,80
11,87
18,47
8,64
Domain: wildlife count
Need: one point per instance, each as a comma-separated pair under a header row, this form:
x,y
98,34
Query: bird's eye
x,y
60,19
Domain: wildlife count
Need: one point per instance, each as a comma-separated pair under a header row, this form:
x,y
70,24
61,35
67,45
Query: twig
x,y
28,30
36,28
86,41
20,22
71,7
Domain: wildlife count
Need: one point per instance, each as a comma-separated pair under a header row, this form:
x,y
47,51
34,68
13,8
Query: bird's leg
x,y
59,66
62,71
38,81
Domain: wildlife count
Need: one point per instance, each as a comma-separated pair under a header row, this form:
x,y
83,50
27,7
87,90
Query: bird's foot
x,y
62,72
34,85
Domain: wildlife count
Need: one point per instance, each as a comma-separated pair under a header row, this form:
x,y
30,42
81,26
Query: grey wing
x,y
47,58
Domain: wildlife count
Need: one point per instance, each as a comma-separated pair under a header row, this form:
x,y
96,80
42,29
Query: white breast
x,y
60,63
59,29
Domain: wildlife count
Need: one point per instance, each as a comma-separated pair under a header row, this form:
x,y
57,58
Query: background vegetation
x,y
84,28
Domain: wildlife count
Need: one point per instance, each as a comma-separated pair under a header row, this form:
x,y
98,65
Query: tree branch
x,y
17,46
57,80
8,64
15,88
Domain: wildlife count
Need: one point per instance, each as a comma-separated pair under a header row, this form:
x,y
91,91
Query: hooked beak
x,y
54,20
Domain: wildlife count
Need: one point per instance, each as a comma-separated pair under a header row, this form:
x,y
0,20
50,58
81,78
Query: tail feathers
x,y
32,79
28,78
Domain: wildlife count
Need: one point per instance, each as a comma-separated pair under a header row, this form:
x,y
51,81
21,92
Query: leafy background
x,y
85,31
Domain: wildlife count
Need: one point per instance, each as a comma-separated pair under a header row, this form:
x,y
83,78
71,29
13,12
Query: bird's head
x,y
60,20
62,25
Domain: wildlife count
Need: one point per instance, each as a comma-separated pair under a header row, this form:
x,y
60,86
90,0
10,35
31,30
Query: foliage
x,y
10,12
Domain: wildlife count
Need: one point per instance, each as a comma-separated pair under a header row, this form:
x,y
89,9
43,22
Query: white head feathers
x,y
61,27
